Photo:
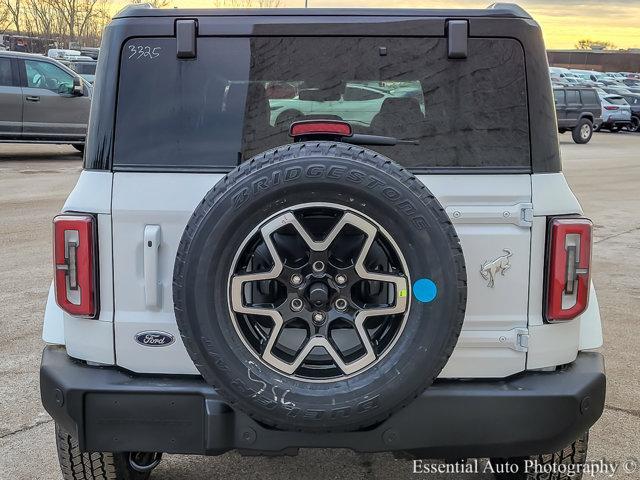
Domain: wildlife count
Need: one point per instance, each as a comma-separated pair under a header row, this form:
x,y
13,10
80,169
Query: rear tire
x,y
583,131
635,124
77,465
573,454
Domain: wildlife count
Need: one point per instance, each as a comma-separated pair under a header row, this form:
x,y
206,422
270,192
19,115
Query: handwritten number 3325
x,y
143,51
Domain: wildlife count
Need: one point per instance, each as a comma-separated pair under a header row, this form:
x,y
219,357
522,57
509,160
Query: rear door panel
x,y
486,212
10,99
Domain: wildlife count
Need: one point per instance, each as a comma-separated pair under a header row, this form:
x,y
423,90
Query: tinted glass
x,y
6,78
87,68
558,96
572,96
588,96
617,100
240,96
49,76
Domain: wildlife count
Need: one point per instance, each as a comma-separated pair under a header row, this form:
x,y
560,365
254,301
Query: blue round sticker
x,y
425,290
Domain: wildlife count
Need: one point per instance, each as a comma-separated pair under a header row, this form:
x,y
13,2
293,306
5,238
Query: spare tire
x,y
319,287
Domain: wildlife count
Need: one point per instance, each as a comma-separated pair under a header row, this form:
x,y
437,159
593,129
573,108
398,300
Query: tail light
x,y
611,107
569,259
74,258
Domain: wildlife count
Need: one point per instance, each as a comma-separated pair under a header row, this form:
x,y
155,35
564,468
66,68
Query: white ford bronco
x,y
321,228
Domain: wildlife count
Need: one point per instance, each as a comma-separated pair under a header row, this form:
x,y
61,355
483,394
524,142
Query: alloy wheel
x,y
319,292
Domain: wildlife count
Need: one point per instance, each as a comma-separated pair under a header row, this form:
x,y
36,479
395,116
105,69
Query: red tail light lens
x,y
569,257
322,127
611,107
74,258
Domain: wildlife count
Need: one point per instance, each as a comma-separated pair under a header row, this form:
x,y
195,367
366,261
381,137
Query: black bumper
x,y
532,413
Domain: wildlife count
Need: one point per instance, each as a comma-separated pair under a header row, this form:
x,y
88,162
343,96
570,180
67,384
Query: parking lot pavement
x,y
34,182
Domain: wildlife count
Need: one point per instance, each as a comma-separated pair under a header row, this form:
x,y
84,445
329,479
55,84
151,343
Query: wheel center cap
x,y
319,294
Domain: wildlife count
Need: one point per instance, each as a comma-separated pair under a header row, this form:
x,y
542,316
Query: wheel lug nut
x,y
341,304
296,305
318,266
318,318
296,280
341,279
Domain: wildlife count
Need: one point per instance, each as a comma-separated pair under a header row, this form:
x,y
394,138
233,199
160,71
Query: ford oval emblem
x,y
153,338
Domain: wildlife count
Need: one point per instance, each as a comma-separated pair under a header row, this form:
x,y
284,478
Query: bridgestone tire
x,y
77,465
573,454
298,174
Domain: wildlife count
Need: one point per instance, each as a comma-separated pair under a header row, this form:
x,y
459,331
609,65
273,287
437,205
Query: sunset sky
x,y
564,22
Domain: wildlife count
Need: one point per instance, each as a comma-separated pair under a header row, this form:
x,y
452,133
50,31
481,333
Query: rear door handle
x,y
150,249
32,98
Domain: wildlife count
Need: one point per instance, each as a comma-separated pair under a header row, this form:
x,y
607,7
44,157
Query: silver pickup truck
x,y
42,101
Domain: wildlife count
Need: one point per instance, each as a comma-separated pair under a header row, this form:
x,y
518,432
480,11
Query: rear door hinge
x,y
457,38
520,214
186,33
521,340
526,214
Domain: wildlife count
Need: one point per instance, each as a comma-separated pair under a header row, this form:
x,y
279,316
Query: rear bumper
x,y
530,413
617,121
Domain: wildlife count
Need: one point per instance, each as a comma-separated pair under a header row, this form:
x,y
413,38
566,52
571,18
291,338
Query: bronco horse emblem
x,y
500,265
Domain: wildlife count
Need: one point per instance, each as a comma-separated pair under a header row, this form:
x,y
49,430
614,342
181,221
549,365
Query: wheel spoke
x,y
397,304
238,281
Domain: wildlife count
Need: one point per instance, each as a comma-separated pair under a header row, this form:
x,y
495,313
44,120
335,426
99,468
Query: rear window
x,y
240,95
616,100
589,96
6,77
573,96
88,68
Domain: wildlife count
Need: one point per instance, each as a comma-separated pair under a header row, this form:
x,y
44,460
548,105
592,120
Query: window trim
x,y
564,96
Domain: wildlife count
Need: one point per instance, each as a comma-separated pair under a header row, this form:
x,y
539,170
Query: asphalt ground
x,y
36,179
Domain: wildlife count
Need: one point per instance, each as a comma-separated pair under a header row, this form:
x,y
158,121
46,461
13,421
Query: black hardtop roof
x,y
508,10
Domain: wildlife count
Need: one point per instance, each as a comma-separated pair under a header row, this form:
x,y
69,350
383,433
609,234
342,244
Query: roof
x,y
507,10
12,53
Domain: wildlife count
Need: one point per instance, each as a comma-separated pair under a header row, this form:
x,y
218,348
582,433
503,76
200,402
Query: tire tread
x,y
326,150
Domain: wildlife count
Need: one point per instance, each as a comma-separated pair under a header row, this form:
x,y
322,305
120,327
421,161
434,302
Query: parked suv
x,y
578,110
42,101
616,113
416,282
634,103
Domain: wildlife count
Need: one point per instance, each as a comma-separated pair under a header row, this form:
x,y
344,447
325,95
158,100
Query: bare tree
x,y
4,18
75,16
588,44
42,19
13,14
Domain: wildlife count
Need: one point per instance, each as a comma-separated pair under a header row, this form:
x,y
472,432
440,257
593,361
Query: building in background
x,y
600,60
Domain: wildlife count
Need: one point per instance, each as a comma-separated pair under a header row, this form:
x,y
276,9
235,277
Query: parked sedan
x,y
616,113
358,105
42,101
